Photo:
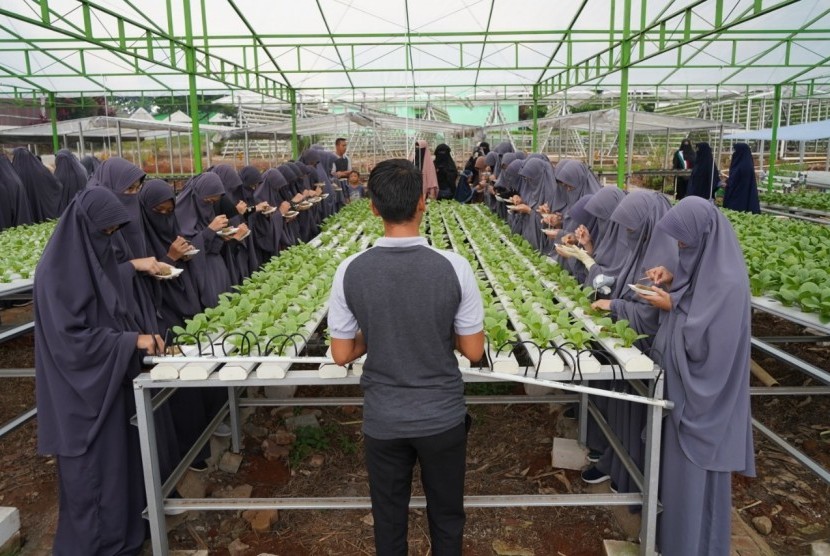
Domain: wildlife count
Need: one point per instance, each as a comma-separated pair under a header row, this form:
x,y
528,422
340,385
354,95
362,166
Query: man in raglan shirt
x,y
407,306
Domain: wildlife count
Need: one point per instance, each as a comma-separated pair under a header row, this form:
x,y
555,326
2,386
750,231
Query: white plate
x,y
641,290
500,199
324,196
291,213
271,210
174,273
229,232
246,235
192,253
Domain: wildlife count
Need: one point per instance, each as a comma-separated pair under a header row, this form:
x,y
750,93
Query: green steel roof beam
x,y
554,83
574,34
12,73
484,43
819,35
566,37
625,61
745,65
409,60
270,88
788,37
822,63
333,43
48,54
786,40
87,22
193,100
257,39
611,53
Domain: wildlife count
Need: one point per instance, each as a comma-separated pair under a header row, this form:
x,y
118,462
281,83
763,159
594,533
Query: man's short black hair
x,y
395,187
339,140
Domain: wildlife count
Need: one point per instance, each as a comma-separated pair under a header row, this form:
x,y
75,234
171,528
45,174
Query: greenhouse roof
x,y
399,50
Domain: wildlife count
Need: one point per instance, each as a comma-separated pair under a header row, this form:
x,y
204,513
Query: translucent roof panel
x,y
397,47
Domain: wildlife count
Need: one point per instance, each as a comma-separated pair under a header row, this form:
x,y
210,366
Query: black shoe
x,y
570,413
199,466
613,487
594,455
594,476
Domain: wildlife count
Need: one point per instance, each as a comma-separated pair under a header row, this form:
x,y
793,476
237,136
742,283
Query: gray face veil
x,y
602,205
637,215
540,178
578,177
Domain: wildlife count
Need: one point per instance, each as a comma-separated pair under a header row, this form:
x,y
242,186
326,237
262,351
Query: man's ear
x,y
374,209
422,204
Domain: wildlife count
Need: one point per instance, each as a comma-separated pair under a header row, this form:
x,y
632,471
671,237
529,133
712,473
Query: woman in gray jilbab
x,y
514,219
643,247
506,184
540,186
573,180
494,161
603,246
704,339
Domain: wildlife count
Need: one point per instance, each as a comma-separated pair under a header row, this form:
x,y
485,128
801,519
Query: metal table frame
x,y
9,290
158,491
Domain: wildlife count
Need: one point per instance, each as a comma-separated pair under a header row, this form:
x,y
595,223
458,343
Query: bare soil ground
x,y
509,452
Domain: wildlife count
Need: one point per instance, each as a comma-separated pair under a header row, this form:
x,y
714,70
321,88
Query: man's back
x,y
406,305
406,297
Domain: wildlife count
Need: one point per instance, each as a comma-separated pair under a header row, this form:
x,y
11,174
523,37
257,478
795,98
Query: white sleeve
x,y
341,321
469,319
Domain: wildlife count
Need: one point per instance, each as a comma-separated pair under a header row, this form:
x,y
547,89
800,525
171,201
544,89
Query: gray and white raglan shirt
x,y
409,299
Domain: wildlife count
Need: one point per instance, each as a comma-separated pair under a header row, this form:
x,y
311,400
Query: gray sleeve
x,y
469,319
642,316
341,321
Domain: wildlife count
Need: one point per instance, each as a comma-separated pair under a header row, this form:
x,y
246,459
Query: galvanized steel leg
x,y
651,474
150,464
233,410
583,419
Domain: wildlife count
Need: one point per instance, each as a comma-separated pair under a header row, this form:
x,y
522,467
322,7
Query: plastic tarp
x,y
325,124
609,120
105,126
801,132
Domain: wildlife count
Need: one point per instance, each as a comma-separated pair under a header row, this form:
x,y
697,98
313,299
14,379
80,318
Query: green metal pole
x,y
626,60
295,144
773,145
53,116
195,137
535,140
